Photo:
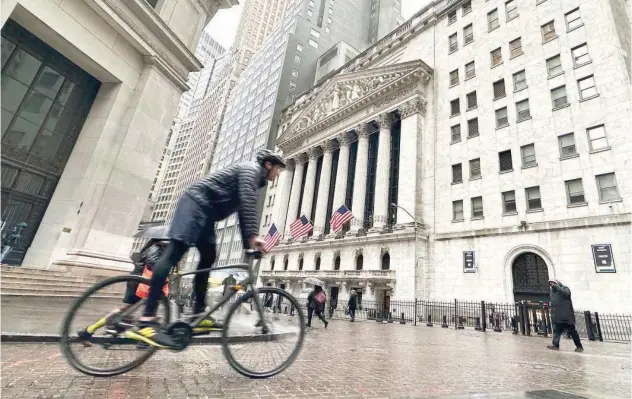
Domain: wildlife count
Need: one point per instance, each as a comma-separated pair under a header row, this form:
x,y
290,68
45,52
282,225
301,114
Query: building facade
x,y
482,149
93,88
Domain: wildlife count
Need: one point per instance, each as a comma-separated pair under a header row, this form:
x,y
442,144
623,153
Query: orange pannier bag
x,y
143,289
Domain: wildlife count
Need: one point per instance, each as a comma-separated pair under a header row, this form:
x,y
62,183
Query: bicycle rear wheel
x,y
107,352
252,351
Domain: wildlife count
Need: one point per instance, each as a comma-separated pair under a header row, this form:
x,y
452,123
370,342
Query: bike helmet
x,y
266,155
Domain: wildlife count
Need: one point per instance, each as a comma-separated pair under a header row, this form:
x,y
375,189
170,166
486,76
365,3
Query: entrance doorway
x,y
530,278
333,296
45,101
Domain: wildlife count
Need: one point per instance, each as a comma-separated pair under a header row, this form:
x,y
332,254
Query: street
x,y
364,359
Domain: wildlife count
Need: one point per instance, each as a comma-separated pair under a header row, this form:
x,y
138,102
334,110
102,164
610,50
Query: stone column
x,y
310,182
359,181
380,209
323,190
295,193
284,196
340,190
409,161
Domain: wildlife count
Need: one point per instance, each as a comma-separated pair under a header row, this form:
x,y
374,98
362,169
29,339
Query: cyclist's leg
x,y
208,253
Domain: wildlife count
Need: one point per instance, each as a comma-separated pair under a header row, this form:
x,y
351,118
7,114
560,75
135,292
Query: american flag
x,y
272,238
340,217
300,227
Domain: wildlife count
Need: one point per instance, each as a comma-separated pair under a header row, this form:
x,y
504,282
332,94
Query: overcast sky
x,y
223,27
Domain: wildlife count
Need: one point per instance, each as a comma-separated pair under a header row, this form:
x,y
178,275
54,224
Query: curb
x,y
201,340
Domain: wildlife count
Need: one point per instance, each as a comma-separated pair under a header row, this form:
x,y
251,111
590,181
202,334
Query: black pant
x,y
319,314
558,329
172,254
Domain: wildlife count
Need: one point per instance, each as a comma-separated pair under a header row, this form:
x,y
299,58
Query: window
x,y
520,80
455,132
314,33
587,87
471,100
468,34
457,173
573,19
477,207
475,168
580,55
528,155
522,110
497,57
548,31
504,160
492,20
515,48
575,192
331,11
299,48
501,117
509,202
309,13
533,198
297,59
511,9
470,70
455,107
597,138
457,210
451,17
328,20
558,96
312,43
294,73
472,127
567,145
554,66
454,45
607,186
454,77
292,86
467,7
327,29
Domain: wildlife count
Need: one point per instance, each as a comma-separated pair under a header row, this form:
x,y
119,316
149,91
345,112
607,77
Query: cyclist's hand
x,y
257,243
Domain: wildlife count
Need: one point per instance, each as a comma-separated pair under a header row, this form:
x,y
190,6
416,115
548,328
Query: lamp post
x,y
416,226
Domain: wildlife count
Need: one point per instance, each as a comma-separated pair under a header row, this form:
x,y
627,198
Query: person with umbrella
x,y
316,304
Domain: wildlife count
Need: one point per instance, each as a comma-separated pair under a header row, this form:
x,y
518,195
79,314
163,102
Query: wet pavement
x,y
363,359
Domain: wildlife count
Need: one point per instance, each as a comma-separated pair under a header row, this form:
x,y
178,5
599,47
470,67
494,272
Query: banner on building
x,y
469,264
604,261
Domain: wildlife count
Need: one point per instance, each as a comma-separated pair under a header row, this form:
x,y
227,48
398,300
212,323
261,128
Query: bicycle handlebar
x,y
254,253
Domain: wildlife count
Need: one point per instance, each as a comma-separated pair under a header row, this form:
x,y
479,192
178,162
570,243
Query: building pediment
x,y
344,94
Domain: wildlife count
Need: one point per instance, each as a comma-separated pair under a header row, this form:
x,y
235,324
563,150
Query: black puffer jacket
x,y
231,189
561,304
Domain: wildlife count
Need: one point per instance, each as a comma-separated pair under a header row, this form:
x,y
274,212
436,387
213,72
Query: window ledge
x,y
589,98
512,18
499,98
517,55
562,106
472,136
510,214
470,109
530,166
581,65
454,183
535,210
540,2
575,28
611,201
457,220
600,150
475,178
502,127
455,115
577,205
550,40
466,43
453,85
471,77
453,51
519,90
493,29
455,142
502,172
569,157
497,65
556,75
477,218
465,13
523,119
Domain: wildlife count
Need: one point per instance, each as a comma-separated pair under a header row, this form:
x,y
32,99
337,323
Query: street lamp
x,y
417,225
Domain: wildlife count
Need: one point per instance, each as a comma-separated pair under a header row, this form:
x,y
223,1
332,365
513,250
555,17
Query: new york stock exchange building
x,y
457,190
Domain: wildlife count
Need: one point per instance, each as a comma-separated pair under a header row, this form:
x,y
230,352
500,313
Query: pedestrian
x,y
333,304
353,304
228,283
562,315
316,304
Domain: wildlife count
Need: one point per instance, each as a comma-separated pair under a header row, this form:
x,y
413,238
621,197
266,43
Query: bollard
x,y
589,325
521,318
483,318
460,325
378,317
445,322
497,327
429,323
402,320
598,326
478,327
390,317
514,325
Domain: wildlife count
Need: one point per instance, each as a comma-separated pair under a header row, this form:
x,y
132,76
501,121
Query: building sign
x,y
469,266
604,261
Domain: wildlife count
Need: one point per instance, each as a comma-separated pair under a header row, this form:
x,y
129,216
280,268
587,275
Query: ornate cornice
x,y
290,164
343,139
384,120
314,153
327,146
363,131
413,106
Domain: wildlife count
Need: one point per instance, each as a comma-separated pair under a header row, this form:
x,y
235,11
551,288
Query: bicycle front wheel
x,y
261,350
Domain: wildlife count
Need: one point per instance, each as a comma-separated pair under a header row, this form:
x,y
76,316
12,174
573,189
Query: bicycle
x,y
116,325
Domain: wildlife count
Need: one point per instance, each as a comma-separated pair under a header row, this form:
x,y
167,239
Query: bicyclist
x,y
210,200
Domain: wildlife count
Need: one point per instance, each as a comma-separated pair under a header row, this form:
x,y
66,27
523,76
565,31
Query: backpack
x,y
320,297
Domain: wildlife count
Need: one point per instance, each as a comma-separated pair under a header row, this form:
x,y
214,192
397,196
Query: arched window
x,y
337,263
359,262
272,264
317,263
300,264
386,261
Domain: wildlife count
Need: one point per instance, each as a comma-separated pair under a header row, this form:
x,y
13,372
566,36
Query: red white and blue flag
x,y
272,238
301,227
340,217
